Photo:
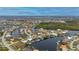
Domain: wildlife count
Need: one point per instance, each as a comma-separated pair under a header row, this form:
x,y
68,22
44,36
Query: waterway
x,y
51,43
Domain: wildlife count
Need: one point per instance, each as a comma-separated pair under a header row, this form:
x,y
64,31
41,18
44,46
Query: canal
x,y
51,43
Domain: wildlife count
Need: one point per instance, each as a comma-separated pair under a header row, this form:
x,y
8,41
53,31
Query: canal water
x,y
51,43
48,44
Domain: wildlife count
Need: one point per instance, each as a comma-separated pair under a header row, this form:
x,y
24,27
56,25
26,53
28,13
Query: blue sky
x,y
39,11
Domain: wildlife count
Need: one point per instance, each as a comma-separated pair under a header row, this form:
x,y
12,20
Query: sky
x,y
39,11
